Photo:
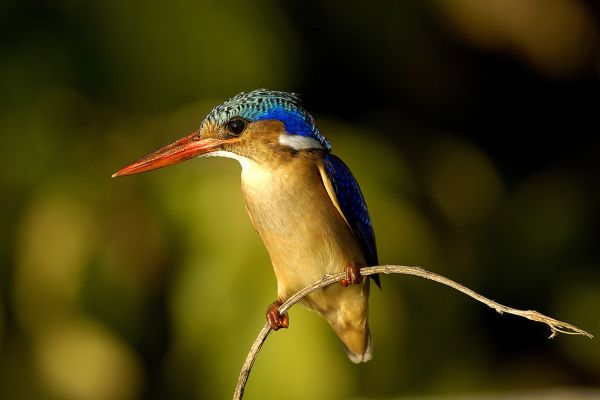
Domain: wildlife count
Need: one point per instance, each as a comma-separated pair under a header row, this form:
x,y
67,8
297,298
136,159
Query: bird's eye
x,y
236,126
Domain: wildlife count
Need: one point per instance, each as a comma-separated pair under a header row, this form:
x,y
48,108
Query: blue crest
x,y
262,104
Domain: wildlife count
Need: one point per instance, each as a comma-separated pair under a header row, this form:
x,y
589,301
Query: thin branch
x,y
555,325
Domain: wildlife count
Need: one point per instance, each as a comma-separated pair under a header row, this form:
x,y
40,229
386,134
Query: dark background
x,y
472,127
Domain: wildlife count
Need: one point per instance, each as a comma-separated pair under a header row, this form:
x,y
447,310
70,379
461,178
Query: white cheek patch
x,y
298,142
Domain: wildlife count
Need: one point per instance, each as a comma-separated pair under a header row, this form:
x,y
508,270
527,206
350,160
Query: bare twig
x,y
555,325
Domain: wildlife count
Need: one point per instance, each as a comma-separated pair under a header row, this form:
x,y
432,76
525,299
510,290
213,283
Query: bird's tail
x,y
362,347
346,310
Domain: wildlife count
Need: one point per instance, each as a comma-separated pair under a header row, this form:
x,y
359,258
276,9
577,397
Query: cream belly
x,y
303,231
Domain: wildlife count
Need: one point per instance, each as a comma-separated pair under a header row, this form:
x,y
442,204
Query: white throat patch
x,y
244,162
298,142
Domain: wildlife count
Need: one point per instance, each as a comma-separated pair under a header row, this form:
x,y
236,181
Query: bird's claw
x,y
275,319
353,275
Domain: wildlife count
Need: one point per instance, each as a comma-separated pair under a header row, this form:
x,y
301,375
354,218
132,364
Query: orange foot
x,y
353,275
275,319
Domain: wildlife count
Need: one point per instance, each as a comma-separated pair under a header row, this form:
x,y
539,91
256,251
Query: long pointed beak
x,y
185,148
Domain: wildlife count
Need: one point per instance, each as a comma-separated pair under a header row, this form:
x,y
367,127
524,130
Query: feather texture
x,y
353,207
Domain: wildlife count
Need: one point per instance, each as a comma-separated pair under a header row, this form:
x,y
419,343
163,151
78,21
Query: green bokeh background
x,y
472,127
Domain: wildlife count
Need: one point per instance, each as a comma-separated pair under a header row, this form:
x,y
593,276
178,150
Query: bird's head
x,y
257,126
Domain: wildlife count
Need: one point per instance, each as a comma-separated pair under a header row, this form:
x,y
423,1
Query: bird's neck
x,y
281,198
278,187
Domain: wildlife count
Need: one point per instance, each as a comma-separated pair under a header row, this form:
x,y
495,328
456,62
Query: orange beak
x,y
184,149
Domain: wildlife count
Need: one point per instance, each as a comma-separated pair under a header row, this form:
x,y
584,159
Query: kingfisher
x,y
304,202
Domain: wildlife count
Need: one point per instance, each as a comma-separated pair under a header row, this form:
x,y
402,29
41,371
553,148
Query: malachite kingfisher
x,y
302,200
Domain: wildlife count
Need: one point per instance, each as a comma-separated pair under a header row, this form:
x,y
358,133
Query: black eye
x,y
236,126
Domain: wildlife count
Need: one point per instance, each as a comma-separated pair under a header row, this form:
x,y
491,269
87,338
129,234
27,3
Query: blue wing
x,y
353,206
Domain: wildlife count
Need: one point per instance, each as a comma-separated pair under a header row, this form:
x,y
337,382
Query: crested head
x,y
259,127
264,104
263,127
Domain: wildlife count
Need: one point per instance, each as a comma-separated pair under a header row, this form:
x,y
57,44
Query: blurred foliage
x,y
472,127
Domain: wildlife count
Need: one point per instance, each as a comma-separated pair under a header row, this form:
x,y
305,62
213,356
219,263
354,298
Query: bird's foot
x,y
353,275
275,319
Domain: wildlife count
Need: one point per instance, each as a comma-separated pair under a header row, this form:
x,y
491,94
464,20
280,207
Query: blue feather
x,y
295,123
353,206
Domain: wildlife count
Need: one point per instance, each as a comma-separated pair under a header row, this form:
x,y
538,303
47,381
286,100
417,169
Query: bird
x,y
302,199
